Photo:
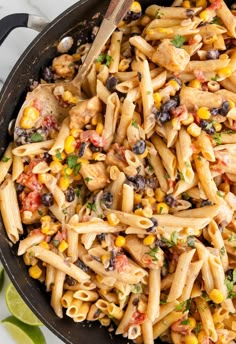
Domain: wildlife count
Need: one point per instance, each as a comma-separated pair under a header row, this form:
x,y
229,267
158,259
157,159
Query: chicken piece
x,y
193,98
145,256
95,175
63,65
170,57
83,112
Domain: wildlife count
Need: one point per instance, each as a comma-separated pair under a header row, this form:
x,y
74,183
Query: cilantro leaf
x,y
92,206
222,251
232,237
137,288
152,253
72,161
134,123
178,41
5,159
58,155
184,306
87,179
191,241
104,58
185,322
217,138
187,164
219,194
36,137
173,240
230,285
181,176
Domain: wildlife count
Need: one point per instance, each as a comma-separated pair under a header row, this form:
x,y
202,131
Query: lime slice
x,y
23,333
18,308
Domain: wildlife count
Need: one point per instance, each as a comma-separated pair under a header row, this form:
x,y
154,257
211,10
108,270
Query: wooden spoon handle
x,y
115,12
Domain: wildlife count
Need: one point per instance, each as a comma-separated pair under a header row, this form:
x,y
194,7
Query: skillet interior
x,y
38,55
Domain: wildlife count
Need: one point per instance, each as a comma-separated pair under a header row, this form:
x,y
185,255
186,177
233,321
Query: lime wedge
x,y
23,333
18,308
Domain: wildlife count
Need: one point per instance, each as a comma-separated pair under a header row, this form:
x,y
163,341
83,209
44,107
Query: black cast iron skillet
x,y
76,21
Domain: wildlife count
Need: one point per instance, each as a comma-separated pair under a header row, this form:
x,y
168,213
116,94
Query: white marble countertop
x,y
10,51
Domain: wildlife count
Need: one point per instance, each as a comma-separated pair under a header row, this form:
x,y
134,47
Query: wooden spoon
x,y
43,94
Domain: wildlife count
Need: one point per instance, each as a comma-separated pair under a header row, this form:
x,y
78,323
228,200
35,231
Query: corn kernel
x,y
75,132
149,240
112,219
67,95
66,170
174,84
186,4
105,258
77,177
55,166
59,157
144,155
35,272
44,244
135,7
225,72
63,246
139,212
82,161
224,57
205,15
191,339
189,120
201,3
157,100
159,195
231,104
120,241
69,144
194,130
76,57
99,156
195,84
96,119
217,127
31,112
202,336
99,128
216,296
26,122
137,198
151,200
203,113
64,183
224,187
42,178
192,323
162,208
46,218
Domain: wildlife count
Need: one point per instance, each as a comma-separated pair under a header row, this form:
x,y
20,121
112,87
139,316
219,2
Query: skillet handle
x,y
13,21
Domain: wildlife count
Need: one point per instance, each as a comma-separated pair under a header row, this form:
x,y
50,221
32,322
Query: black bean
x,y
94,149
107,199
111,83
135,301
221,227
82,149
214,111
136,15
47,74
70,281
70,194
225,108
135,34
163,117
47,157
101,237
170,104
171,201
19,188
207,126
212,54
139,76
151,182
206,202
139,147
112,261
139,183
138,206
153,228
130,16
82,266
190,13
47,199
229,274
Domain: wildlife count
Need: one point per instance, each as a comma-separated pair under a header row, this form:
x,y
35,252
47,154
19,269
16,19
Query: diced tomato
x,y
30,181
38,104
50,122
61,235
31,201
178,327
138,318
200,75
93,137
121,262
32,164
216,5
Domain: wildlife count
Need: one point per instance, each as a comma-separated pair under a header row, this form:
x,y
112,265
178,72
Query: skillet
x,y
78,22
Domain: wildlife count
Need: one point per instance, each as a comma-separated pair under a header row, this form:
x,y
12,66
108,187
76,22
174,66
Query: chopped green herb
x,y
91,206
232,237
149,92
87,179
198,328
219,193
40,212
216,20
134,123
205,296
137,288
199,157
72,161
187,164
36,137
215,78
158,14
222,251
178,41
181,176
191,241
230,285
150,168
163,300
58,155
184,306
185,322
228,132
78,190
104,58
161,210
65,212
77,168
5,159
217,138
152,253
55,242
173,239
185,196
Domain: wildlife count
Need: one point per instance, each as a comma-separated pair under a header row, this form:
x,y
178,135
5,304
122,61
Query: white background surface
x,y
10,51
